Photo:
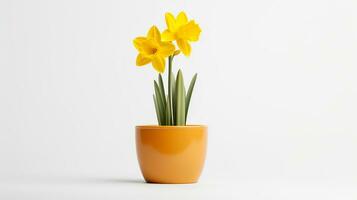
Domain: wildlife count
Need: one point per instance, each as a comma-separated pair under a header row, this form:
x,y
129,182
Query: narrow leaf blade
x,y
162,87
168,113
158,114
160,102
189,93
173,89
180,100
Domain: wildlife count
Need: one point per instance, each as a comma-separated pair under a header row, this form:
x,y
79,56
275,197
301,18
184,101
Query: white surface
x,y
111,188
276,86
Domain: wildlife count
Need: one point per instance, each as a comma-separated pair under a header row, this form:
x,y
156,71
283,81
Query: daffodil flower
x,y
153,50
182,31
172,106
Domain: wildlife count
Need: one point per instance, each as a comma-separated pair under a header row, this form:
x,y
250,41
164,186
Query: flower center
x,y
153,50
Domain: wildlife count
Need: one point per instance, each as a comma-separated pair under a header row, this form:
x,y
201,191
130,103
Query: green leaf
x,y
168,113
160,102
162,87
173,85
180,100
189,93
165,100
160,94
158,114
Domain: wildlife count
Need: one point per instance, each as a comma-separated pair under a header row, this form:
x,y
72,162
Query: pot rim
x,y
170,127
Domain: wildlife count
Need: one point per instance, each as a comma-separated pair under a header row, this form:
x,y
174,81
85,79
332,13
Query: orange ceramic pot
x,y
171,154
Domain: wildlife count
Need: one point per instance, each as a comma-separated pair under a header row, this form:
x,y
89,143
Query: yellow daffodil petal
x,y
181,19
167,36
142,60
184,47
148,47
138,42
154,34
190,31
158,63
170,22
166,49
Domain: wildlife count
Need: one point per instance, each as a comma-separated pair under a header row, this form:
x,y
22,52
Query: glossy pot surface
x,y
171,154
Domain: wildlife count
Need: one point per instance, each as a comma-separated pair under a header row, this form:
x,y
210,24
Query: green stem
x,y
171,122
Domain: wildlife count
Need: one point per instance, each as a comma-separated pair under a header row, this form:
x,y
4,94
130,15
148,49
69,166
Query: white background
x,y
276,86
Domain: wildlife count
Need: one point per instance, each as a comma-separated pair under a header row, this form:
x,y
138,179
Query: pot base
x,y
152,182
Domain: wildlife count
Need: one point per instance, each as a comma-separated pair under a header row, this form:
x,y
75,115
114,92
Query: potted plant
x,y
172,151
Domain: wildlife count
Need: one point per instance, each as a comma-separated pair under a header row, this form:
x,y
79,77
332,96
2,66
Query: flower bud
x,y
177,52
